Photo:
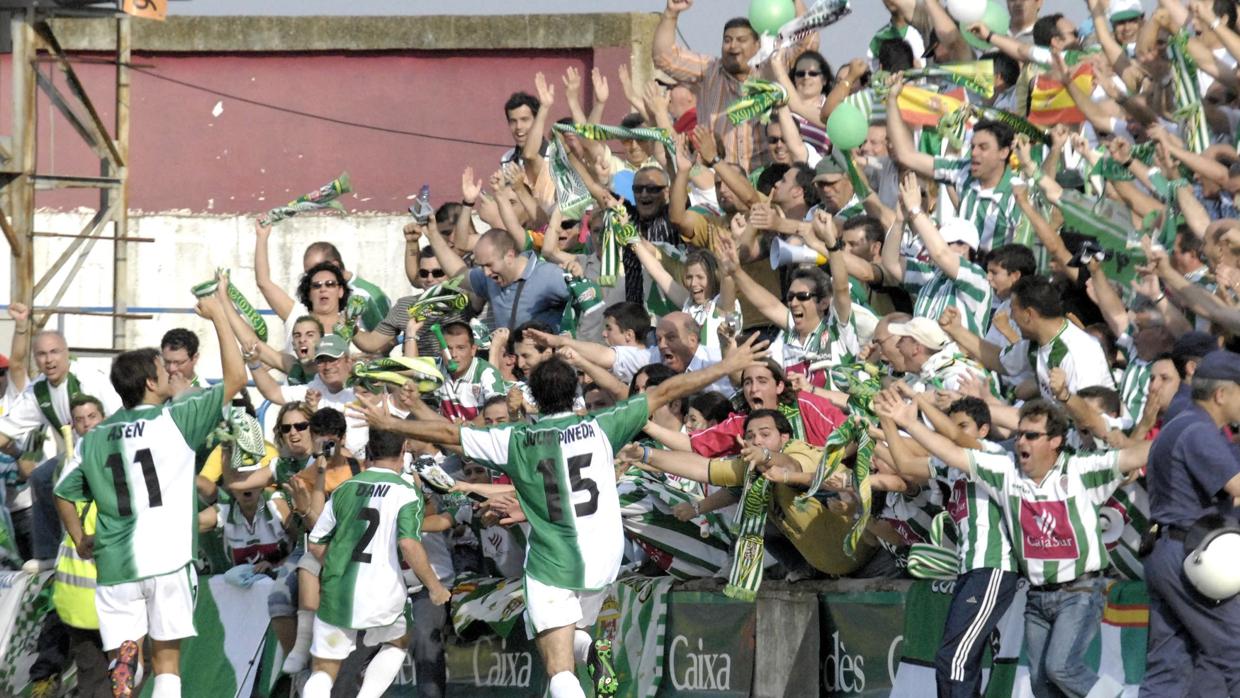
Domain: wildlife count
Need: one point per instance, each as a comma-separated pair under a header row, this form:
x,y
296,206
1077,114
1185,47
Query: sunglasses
x,y
648,188
806,74
801,296
427,273
299,426
316,285
1030,435
4,372
774,141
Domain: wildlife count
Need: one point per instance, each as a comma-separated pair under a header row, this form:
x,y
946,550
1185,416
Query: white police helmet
x,y
1211,566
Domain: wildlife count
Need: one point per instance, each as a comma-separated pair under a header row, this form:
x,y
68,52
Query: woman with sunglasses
x,y
808,336
322,293
807,84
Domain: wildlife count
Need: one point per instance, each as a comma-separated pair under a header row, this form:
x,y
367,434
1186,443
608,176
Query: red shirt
x,y
818,416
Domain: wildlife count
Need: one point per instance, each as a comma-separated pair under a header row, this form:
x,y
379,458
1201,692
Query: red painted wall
x,y
251,158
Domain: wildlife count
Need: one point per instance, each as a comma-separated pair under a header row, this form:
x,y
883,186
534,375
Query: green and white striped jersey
x,y
982,541
363,521
1072,349
563,467
993,211
138,468
1134,388
1055,529
935,291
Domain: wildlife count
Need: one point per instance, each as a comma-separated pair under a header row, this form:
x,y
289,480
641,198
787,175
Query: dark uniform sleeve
x,y
1212,461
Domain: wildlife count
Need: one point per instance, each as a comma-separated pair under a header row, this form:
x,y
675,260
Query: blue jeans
x,y
1059,625
46,531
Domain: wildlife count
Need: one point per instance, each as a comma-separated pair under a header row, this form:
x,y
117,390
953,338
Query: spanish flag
x,y
1050,102
922,107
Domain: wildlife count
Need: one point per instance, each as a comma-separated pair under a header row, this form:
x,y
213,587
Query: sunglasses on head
x,y
316,285
806,73
648,188
427,273
801,296
299,426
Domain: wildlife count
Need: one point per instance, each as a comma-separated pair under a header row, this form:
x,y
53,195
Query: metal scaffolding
x,y
33,42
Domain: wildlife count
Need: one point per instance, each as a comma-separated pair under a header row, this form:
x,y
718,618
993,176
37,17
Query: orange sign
x,y
147,9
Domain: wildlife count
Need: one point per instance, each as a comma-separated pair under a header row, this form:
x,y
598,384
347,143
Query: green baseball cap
x,y
832,164
331,345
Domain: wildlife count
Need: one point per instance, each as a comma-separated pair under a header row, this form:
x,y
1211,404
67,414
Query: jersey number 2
x,y
555,510
154,496
371,516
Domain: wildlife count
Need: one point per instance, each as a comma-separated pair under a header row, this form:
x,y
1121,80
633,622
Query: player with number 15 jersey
x,y
563,468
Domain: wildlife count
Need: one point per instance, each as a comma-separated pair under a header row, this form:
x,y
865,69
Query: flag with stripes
x,y
1050,103
700,547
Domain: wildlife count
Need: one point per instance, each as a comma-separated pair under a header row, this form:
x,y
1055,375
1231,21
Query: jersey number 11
x,y
116,463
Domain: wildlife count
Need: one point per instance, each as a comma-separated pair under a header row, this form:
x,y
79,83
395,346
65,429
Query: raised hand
x,y
750,352
824,228
675,7
949,319
910,192
470,186
572,84
19,312
546,92
601,90
704,142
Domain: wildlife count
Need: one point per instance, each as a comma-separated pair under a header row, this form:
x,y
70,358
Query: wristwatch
x,y
839,245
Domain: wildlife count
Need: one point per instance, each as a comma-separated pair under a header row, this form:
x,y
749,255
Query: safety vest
x,y
73,593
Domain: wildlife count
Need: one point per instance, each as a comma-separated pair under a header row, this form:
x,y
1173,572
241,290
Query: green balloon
x,y
847,127
767,16
996,20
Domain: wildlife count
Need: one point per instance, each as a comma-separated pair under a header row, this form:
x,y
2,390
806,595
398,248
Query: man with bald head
x,y
45,403
519,286
679,341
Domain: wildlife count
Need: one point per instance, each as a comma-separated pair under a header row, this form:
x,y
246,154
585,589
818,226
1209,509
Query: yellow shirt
x,y
817,532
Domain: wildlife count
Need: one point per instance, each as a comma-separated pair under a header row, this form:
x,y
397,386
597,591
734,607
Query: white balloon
x,y
966,11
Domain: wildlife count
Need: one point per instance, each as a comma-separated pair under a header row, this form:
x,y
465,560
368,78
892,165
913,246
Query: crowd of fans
x,y
1005,361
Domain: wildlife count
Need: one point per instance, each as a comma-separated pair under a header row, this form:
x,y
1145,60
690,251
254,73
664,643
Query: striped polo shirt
x,y
992,210
934,291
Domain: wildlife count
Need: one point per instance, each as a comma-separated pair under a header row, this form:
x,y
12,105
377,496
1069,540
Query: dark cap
x,y
1194,345
832,164
1220,365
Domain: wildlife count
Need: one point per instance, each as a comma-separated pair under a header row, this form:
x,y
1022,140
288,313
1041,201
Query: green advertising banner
x,y
710,646
861,638
495,667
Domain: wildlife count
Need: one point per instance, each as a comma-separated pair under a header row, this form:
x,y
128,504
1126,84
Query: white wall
x,y
186,251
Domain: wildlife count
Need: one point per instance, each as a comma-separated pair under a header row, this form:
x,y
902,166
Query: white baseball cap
x,y
1124,10
959,230
926,331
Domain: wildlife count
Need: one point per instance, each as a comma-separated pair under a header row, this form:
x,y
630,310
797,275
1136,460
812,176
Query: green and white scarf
x,y
43,396
1189,112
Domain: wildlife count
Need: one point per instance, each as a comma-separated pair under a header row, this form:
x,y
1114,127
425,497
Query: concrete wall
x,y
187,250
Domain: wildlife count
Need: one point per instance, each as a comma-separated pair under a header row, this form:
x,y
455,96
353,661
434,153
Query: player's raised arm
x,y
686,384
231,363
373,409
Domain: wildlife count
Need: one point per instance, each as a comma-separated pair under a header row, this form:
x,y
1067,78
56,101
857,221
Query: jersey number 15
x,y
577,483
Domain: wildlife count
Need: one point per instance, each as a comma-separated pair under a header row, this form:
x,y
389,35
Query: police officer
x,y
1194,471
